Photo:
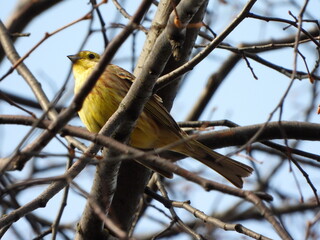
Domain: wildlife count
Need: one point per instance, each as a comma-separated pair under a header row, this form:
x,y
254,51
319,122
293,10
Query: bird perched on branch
x,y
154,128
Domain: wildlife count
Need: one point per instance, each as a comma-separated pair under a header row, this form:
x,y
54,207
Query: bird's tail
x,y
232,170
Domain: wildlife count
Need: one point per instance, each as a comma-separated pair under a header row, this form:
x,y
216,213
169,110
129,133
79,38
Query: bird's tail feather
x,y
232,170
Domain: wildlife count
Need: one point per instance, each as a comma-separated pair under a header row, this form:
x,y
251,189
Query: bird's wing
x,y
153,107
157,111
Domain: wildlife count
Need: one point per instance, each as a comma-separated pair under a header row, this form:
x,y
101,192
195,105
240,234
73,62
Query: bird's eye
x,y
91,56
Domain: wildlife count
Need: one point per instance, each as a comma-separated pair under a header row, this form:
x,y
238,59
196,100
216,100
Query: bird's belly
x,y
148,132
96,110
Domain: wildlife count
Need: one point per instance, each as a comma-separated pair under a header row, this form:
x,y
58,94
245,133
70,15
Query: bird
x,y
155,127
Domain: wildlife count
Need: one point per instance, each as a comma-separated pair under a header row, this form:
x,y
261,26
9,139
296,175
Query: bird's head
x,y
85,59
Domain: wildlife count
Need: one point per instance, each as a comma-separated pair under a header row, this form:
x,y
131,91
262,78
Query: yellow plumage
x,y
155,126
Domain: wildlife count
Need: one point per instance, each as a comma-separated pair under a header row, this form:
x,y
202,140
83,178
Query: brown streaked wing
x,y
153,107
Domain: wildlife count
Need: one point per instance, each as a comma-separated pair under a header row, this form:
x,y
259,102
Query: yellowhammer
x,y
155,127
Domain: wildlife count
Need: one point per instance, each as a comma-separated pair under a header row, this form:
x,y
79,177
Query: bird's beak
x,y
74,58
